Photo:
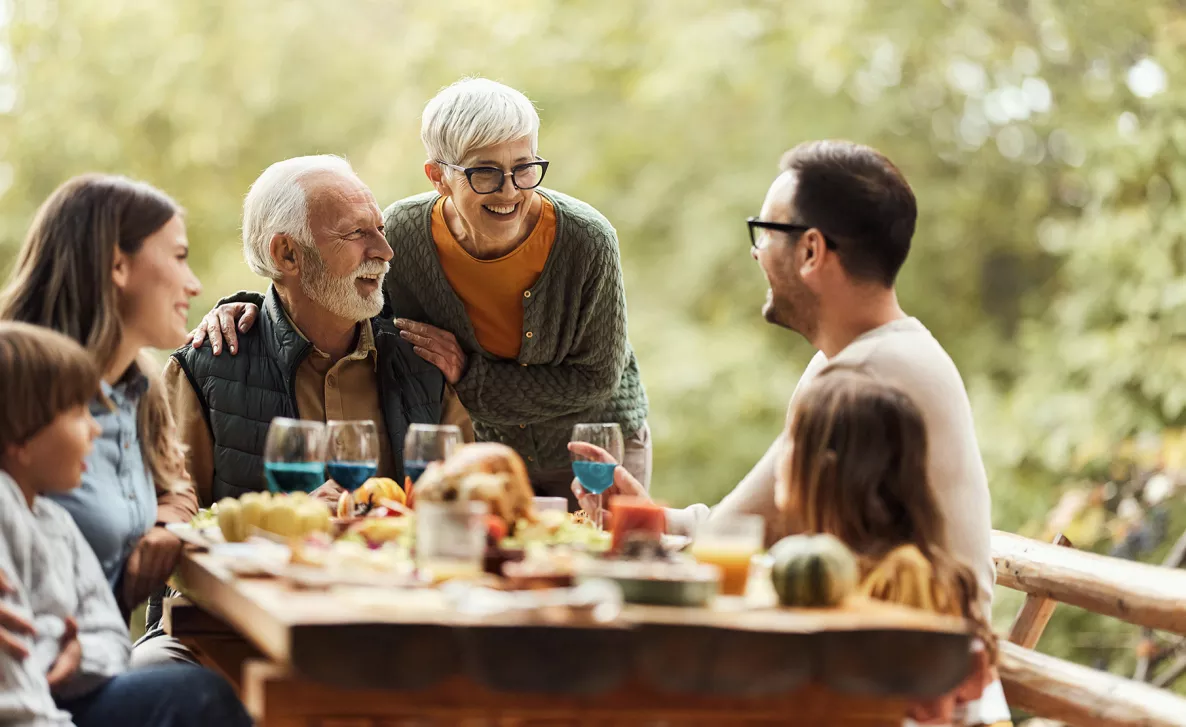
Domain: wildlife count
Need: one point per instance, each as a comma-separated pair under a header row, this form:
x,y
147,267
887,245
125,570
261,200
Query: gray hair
x,y
474,113
277,204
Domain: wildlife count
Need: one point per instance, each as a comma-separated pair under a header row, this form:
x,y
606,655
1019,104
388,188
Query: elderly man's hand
x,y
624,482
219,324
434,345
329,494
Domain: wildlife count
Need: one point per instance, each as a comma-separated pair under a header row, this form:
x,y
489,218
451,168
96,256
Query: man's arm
x,y
754,495
194,432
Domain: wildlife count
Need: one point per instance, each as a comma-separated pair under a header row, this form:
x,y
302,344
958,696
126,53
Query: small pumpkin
x,y
813,571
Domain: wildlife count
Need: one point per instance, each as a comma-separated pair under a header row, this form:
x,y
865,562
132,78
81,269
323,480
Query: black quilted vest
x,y
241,394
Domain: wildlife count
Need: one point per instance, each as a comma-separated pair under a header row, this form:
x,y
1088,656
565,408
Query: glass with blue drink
x,y
595,471
352,452
294,455
426,443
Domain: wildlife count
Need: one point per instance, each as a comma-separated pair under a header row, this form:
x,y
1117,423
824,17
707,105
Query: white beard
x,y
340,296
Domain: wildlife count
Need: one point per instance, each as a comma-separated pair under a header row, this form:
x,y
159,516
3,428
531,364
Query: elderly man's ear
x,y
284,254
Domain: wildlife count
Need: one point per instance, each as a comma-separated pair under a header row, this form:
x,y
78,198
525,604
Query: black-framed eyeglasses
x,y
756,224
488,180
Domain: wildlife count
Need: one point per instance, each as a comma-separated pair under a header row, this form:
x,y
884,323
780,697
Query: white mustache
x,y
380,269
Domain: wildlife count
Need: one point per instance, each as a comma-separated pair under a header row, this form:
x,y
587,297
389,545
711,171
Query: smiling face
x,y
790,302
501,219
344,273
154,287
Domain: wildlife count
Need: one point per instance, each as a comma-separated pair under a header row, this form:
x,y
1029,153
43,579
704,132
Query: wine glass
x,y
427,443
352,452
593,472
294,455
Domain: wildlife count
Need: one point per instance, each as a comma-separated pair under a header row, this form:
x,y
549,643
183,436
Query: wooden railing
x,y
1052,573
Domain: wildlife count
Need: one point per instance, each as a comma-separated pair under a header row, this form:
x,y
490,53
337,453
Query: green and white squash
x,y
813,571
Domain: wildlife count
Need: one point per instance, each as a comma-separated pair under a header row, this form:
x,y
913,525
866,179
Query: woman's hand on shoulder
x,y
436,346
223,324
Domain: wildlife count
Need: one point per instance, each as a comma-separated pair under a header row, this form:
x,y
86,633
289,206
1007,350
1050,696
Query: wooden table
x,y
331,660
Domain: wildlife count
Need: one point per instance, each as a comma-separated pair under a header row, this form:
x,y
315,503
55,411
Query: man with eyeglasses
x,y
833,232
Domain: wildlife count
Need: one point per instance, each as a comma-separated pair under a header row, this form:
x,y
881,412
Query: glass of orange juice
x,y
729,542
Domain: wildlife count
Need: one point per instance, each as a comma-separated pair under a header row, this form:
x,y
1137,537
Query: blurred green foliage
x,y
1045,142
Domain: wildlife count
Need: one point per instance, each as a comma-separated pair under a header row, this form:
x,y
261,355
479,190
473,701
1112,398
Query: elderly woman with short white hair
x,y
514,291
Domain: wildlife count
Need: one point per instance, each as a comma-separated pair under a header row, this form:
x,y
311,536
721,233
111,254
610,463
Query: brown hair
x,y
858,470
857,197
42,374
62,280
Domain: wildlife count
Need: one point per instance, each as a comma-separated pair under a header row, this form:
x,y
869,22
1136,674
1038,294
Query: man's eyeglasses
x,y
755,224
488,180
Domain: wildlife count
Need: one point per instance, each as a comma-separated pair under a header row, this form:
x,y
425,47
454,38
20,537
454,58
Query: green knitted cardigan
x,y
575,363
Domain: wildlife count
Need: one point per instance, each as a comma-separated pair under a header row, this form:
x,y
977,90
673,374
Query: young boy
x,y
72,668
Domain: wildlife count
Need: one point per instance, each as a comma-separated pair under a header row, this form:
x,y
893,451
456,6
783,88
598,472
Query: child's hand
x,y
11,625
69,657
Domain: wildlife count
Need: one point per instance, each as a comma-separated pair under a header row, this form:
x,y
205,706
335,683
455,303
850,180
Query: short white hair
x,y
474,113
278,204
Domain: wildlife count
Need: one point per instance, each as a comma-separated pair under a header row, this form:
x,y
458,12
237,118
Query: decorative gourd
x,y
813,571
907,578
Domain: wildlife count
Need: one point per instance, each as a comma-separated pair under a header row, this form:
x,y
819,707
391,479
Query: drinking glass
x,y
729,542
352,452
294,455
594,473
451,538
427,443
543,504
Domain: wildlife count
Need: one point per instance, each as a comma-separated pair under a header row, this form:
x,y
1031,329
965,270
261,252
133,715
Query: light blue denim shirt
x,y
116,503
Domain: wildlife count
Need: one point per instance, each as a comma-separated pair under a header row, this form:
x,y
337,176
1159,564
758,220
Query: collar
x,y
364,346
128,390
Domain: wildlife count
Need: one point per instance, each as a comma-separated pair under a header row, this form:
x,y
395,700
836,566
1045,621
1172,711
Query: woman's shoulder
x,y
409,208
580,220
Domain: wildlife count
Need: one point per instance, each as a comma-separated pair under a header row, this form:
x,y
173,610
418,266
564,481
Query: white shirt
x,y
55,576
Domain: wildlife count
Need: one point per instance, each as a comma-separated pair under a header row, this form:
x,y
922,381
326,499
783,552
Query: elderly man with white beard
x,y
320,351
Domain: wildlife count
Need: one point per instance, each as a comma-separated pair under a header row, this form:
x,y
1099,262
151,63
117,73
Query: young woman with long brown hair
x,y
105,263
856,468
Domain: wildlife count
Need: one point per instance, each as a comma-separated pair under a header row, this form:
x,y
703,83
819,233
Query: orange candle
x,y
636,515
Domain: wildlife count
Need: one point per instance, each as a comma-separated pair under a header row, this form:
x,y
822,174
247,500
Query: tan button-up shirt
x,y
325,389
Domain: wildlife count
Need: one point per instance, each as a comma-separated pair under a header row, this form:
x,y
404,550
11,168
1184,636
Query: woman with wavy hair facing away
x,y
105,263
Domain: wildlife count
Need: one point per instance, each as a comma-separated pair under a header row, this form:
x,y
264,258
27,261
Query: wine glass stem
x,y
599,517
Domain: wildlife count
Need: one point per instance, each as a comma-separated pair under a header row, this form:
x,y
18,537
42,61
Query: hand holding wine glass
x,y
594,469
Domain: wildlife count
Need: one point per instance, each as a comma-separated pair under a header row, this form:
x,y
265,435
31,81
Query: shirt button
x,y
526,293
530,458
522,364
522,426
529,334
